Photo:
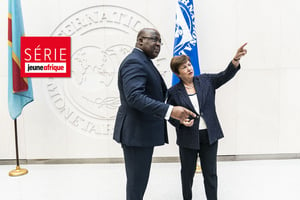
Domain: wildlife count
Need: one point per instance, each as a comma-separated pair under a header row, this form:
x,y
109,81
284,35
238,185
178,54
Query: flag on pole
x,y
19,88
185,41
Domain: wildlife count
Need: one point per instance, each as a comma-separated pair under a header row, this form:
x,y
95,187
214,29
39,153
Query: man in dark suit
x,y
199,137
141,118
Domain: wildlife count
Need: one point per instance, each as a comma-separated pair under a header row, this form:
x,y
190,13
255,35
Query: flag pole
x,y
185,41
18,171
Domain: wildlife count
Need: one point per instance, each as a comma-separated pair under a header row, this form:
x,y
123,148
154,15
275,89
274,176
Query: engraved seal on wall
x,y
101,37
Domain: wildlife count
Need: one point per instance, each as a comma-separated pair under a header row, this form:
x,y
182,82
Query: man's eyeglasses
x,y
154,39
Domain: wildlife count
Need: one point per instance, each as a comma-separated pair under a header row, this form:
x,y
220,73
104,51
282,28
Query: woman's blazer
x,y
205,86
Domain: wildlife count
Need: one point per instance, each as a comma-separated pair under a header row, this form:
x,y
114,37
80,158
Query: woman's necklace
x,y
188,87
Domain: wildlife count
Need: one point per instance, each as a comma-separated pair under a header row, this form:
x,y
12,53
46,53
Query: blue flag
x,y
19,88
185,41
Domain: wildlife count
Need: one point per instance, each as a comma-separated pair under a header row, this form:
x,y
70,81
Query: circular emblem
x,y
185,33
101,38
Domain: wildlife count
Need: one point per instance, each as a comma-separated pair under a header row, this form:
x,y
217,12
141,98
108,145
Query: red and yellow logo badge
x,y
45,56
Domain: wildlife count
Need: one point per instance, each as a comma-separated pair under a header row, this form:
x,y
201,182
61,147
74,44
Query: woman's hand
x,y
188,122
240,53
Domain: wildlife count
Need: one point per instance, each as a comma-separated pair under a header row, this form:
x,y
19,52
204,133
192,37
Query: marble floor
x,y
238,180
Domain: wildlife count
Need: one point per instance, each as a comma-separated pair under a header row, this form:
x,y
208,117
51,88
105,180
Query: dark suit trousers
x,y
137,163
208,159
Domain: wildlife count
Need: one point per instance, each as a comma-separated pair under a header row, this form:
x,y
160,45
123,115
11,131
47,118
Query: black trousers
x,y
208,159
137,163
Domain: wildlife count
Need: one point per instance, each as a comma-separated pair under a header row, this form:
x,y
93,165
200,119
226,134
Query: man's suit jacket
x,y
140,118
205,86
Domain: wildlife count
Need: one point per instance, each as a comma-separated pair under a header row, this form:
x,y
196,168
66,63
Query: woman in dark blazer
x,y
199,136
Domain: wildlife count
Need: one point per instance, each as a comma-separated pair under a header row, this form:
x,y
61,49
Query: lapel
x,y
185,97
200,89
163,84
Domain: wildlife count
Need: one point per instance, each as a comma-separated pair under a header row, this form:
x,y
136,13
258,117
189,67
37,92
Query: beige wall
x,y
73,118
